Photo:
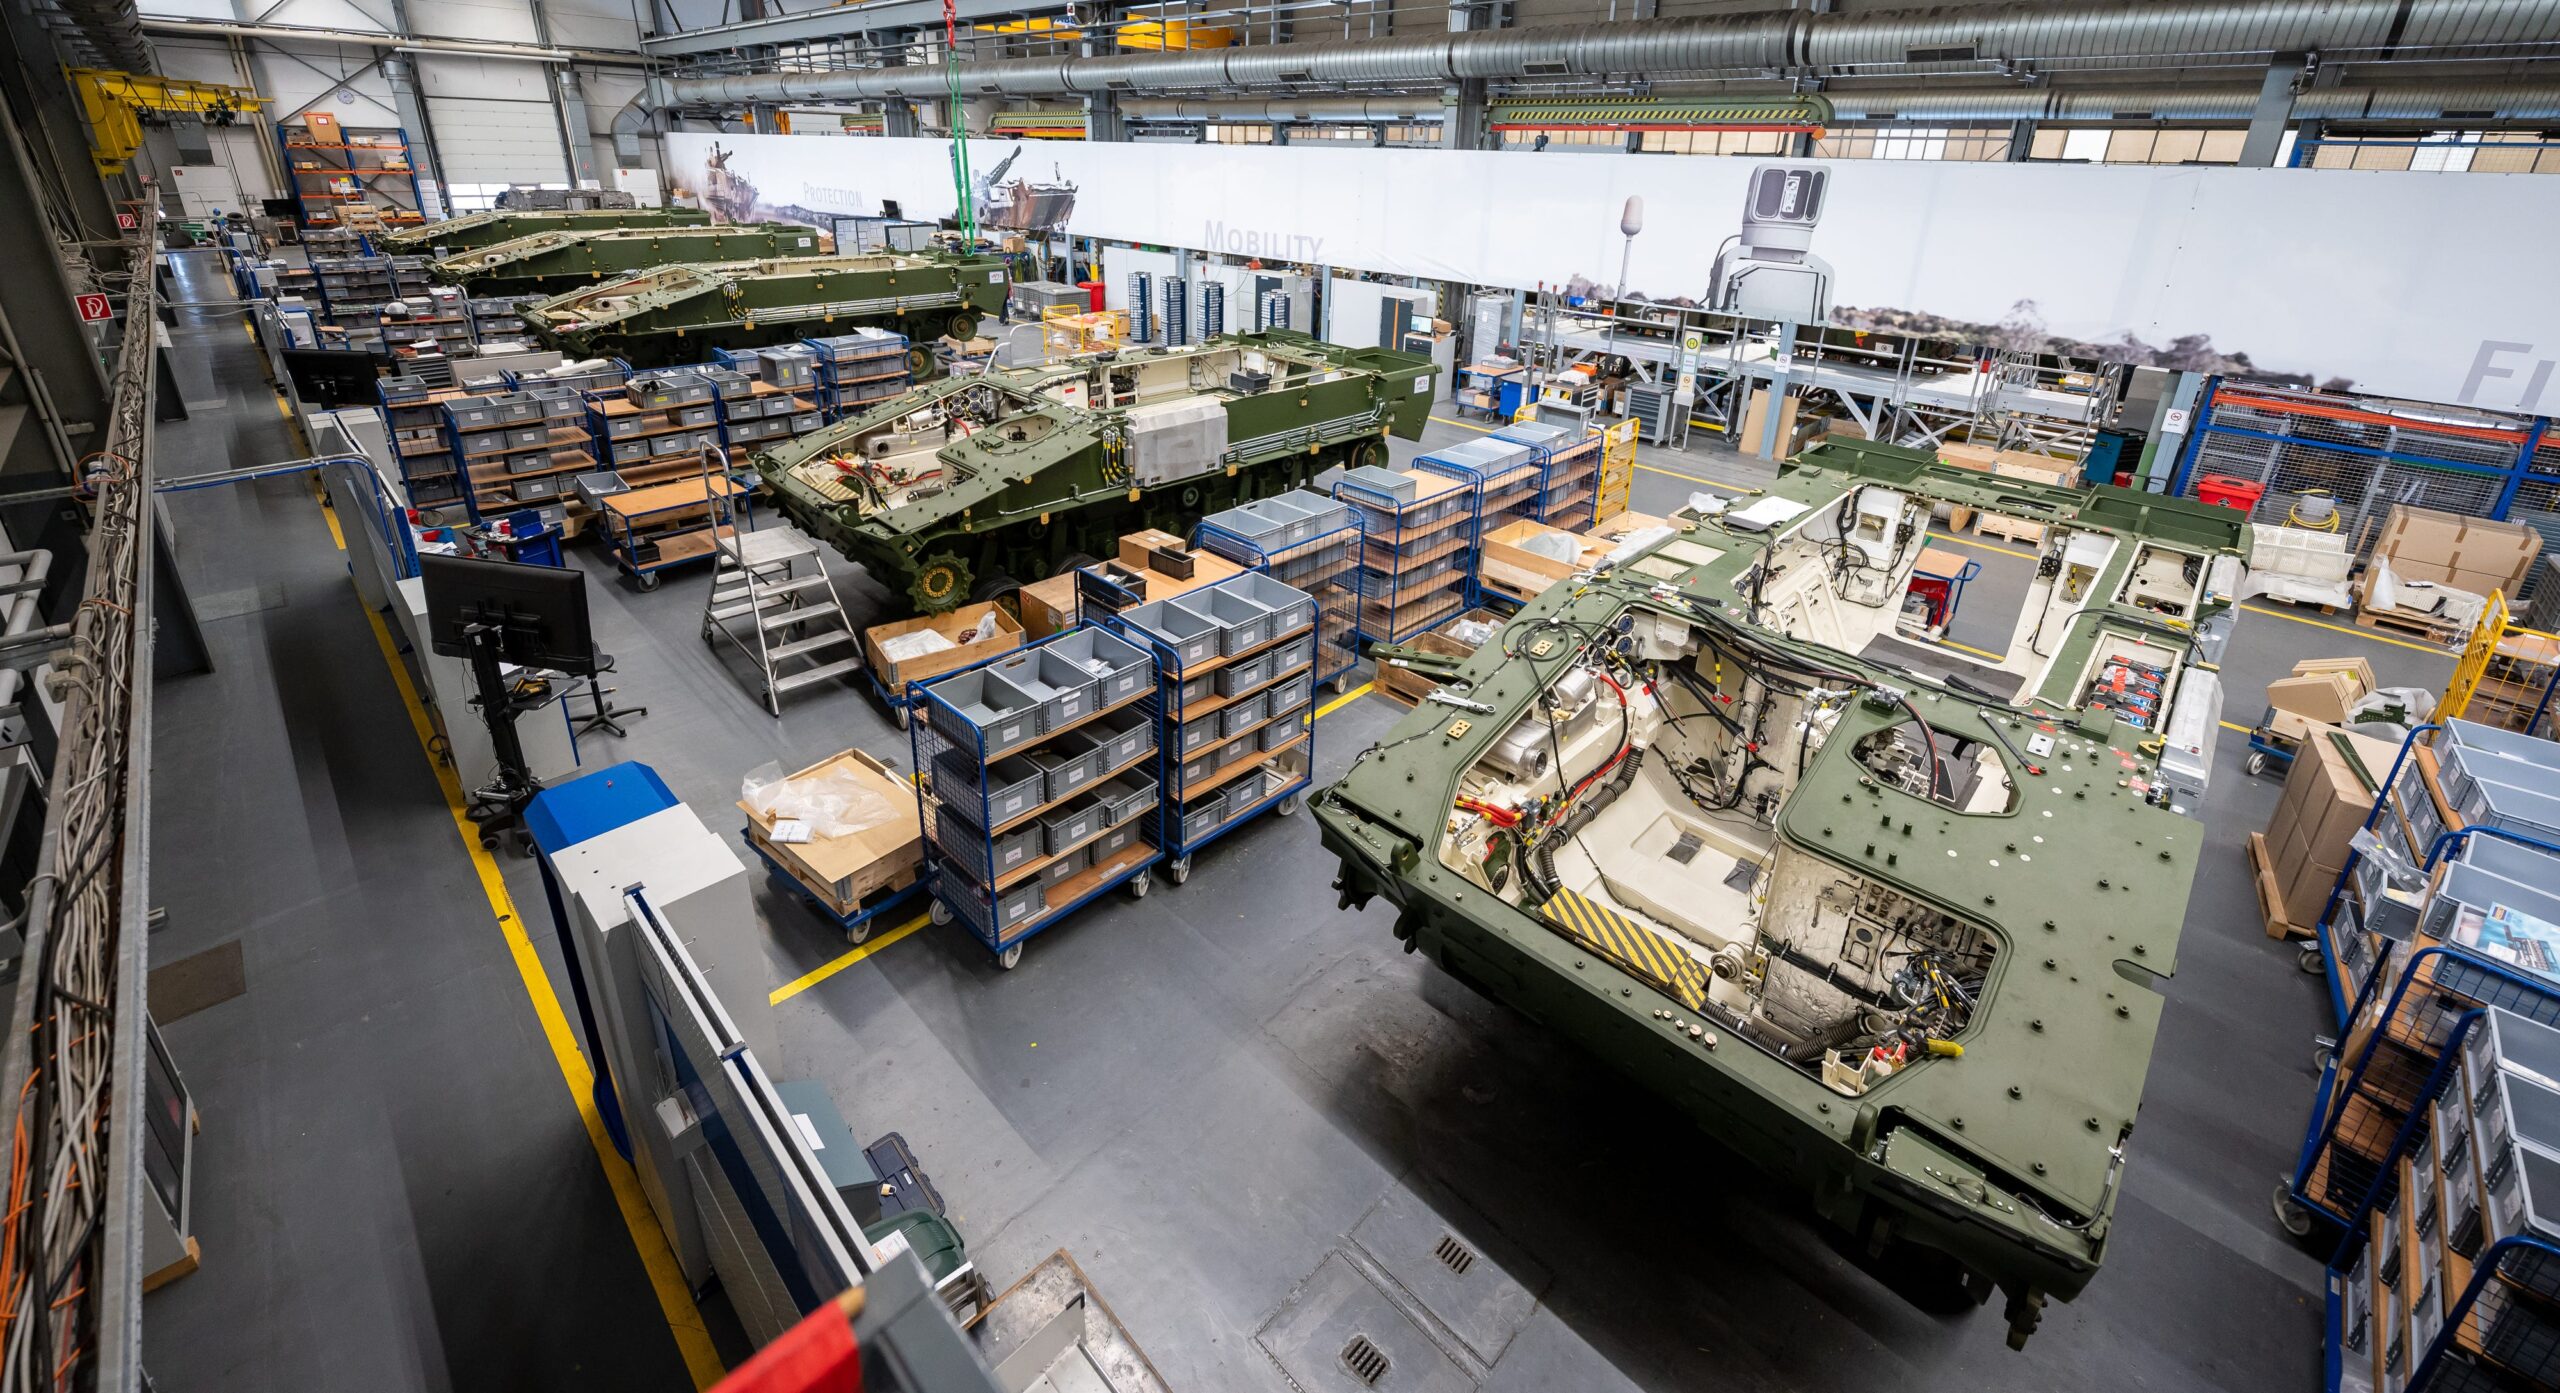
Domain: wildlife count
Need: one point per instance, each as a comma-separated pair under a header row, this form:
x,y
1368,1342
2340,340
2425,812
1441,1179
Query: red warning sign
x,y
94,308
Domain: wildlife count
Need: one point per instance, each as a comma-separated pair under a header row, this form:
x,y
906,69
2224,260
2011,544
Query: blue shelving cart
x,y
1416,532
1235,696
1036,784
1505,478
1568,470
860,369
1307,540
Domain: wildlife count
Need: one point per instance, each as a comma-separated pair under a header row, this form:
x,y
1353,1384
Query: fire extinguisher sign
x,y
94,308
127,222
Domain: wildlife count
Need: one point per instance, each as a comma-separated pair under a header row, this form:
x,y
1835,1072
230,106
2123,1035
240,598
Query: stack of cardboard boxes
x,y
2326,797
2474,555
2007,464
2320,692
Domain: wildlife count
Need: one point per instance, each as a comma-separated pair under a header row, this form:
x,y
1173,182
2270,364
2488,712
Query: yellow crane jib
x,y
117,104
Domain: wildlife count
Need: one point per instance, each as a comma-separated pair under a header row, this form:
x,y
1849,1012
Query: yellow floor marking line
x,y
821,973
1342,701
675,1299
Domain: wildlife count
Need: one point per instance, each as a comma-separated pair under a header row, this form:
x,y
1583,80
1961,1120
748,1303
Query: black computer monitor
x,y
538,613
280,207
334,376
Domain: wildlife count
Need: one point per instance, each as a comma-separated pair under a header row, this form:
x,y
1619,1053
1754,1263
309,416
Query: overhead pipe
x,y
403,43
2430,102
2156,31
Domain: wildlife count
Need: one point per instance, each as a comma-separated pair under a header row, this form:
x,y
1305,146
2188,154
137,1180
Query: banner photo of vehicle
x,y
2352,279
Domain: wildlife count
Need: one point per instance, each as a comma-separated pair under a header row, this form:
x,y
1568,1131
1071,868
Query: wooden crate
x,y
1407,685
2010,529
896,675
842,872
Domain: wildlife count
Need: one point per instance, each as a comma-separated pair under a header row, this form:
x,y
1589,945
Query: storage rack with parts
x,y
1504,478
858,369
1568,471
1036,775
1236,664
414,410
517,449
2452,1281
334,167
1416,529
1309,541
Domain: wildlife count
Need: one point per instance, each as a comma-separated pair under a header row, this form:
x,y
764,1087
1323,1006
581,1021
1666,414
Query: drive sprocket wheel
x,y
942,581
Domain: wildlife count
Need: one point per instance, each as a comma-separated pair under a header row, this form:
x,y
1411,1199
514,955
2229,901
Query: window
x,y
1239,135
472,198
1716,142
1914,143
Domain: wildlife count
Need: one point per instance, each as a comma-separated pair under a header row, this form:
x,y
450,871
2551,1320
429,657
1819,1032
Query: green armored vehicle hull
x,y
549,263
678,314
961,489
1888,919
475,230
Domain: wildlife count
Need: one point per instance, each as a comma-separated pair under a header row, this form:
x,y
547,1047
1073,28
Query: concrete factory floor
x,y
1200,1094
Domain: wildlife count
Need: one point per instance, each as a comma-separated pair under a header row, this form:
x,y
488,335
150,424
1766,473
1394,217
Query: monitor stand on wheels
x,y
497,807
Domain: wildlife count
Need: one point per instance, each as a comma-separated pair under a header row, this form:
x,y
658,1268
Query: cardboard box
x,y
2356,668
844,870
2320,697
1049,606
1514,570
1135,546
896,675
2467,553
2326,797
1965,456
1794,432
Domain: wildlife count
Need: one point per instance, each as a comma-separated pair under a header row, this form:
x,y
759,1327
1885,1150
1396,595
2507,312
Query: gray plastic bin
x,y
1291,608
1191,691
1125,797
1118,668
984,859
1190,635
1198,733
1244,673
1242,622
1012,787
1119,839
1067,763
1290,695
1058,705
993,921
1403,488
1279,733
1243,714
983,711
1064,827
1067,867
1202,816
1124,736
1195,768
1295,654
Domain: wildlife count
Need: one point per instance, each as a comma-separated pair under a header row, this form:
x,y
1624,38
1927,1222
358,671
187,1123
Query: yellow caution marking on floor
x,y
1342,701
675,1298
829,969
1630,945
2235,725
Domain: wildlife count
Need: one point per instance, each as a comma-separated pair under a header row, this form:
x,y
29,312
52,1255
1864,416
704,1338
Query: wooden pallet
x,y
2437,632
2009,529
2262,867
2305,606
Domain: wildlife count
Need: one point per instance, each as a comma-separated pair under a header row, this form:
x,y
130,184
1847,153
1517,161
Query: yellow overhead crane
x,y
114,103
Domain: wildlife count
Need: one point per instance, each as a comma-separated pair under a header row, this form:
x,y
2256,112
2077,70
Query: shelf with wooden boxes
x,y
1036,783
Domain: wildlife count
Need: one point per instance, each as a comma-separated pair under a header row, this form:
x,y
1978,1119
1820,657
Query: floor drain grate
x,y
1454,1255
1366,1361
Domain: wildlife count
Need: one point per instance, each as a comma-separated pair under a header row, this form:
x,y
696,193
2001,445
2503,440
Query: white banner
x,y
2417,285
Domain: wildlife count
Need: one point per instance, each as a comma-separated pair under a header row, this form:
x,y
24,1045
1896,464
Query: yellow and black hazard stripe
x,y
1630,945
1808,111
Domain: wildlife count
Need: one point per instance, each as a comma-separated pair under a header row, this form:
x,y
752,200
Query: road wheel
x,y
919,361
941,583
1001,588
962,325
1366,454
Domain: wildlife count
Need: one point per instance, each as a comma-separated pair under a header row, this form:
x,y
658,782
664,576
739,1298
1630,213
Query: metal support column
x,y
1464,125
1766,447
2022,141
575,133
2275,109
